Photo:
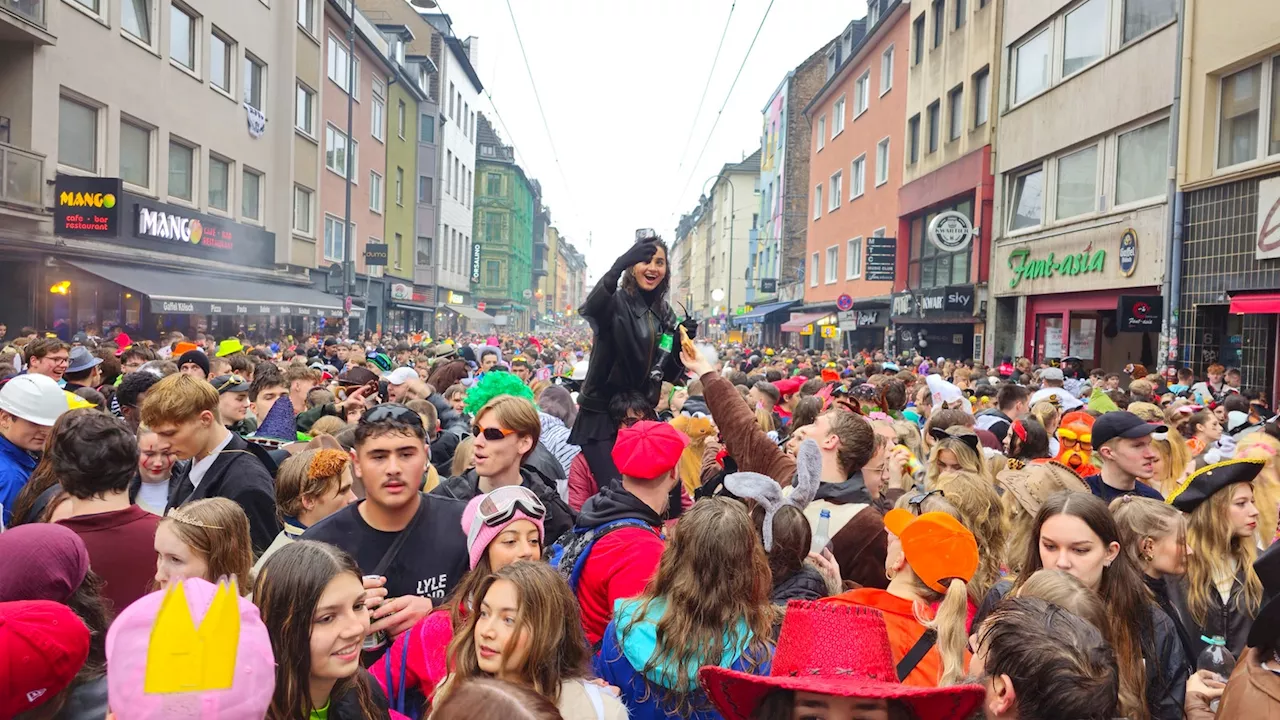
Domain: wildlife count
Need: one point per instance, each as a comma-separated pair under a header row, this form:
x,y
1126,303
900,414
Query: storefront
x,y
1230,300
762,325
812,330
1091,293
863,328
408,308
937,323
148,266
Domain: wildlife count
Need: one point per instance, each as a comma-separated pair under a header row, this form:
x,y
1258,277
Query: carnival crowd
x,y
623,521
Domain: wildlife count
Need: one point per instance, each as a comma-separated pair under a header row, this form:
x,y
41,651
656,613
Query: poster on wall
x,y
1268,219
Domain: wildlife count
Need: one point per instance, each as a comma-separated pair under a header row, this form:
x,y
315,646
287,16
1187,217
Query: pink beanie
x,y
487,533
130,635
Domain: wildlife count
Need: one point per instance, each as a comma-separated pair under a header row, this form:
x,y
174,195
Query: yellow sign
x,y
807,330
828,331
81,199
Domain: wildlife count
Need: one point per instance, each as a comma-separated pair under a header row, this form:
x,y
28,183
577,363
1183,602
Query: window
x,y
400,117
307,15
935,112
335,152
1142,161
335,240
302,210
981,97
882,162
220,61
424,190
886,70
1239,115
1085,38
340,66
1031,66
182,37
813,270
135,18
400,186
960,13
862,94
78,135
837,113
135,154
219,182
939,10
255,81
1077,187
837,190
305,120
817,202
853,259
250,195
376,121
492,272
917,40
822,132
182,167
1142,16
858,177
1027,208
833,258
955,112
423,252
493,184
90,4
375,192
426,128
913,139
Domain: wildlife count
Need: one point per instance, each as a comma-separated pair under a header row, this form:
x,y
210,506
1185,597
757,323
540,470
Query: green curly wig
x,y
492,385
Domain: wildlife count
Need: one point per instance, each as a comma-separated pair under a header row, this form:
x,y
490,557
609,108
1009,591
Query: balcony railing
x,y
32,10
21,176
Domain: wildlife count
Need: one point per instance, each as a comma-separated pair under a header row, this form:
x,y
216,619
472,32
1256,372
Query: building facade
x,y
731,223
151,168
1228,196
945,203
506,202
1082,180
855,171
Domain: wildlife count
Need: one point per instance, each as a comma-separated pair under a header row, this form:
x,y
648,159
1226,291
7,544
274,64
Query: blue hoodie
x,y
620,654
16,466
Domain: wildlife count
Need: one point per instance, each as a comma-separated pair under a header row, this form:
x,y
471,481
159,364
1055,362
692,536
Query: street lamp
x,y
733,207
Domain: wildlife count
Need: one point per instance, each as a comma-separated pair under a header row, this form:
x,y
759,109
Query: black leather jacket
x,y
1223,619
625,348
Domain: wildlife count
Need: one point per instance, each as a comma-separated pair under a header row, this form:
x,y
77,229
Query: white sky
x,y
620,81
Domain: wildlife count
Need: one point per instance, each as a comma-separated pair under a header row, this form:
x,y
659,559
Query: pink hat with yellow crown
x,y
194,651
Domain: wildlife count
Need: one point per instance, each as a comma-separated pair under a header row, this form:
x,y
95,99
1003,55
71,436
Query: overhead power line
x,y
693,124
529,69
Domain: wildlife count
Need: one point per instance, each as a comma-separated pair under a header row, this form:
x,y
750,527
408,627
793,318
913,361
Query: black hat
x,y
1203,483
330,342
1122,423
195,357
229,383
1266,626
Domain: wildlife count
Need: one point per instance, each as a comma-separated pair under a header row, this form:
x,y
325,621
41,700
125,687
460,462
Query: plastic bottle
x,y
1217,659
822,535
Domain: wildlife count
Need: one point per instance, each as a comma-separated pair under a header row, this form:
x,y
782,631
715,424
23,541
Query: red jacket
x,y
619,566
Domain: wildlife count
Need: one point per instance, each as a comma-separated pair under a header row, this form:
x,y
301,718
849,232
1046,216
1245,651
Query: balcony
x,y
25,21
21,177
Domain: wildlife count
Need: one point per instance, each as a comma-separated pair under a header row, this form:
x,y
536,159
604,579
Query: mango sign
x,y
87,206
97,200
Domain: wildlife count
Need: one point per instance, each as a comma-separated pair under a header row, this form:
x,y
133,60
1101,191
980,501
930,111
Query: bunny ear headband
x,y
768,493
970,440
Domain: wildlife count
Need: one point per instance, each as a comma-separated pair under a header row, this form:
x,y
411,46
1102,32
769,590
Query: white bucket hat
x,y
34,398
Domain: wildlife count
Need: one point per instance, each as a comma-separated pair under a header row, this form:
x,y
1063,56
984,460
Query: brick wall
x,y
809,78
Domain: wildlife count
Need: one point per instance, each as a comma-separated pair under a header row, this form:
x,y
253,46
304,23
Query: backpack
x,y
569,554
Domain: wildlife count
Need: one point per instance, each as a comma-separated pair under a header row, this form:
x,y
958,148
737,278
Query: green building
x,y
505,203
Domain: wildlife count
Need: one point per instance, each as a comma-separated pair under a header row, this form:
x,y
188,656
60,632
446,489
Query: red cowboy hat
x,y
810,658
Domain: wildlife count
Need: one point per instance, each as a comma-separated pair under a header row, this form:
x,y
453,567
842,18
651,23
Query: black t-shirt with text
x,y
429,564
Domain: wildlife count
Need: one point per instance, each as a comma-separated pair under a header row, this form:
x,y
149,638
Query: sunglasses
x,y
918,499
492,434
392,412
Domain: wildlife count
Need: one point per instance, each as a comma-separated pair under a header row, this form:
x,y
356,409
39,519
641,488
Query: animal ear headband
x,y
768,493
970,440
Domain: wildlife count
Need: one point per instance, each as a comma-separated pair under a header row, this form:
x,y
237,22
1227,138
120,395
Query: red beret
x,y
790,386
648,449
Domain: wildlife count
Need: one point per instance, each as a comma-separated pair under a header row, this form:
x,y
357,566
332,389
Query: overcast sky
x,y
620,81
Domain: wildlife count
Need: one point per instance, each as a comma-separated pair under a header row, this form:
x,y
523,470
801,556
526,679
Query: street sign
x,y
844,302
848,319
768,285
882,259
480,306
375,254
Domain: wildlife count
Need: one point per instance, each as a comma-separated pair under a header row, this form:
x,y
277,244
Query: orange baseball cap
x,y
183,347
937,546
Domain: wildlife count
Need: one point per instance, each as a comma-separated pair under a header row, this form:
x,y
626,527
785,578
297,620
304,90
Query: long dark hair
x,y
286,592
1121,589
660,293
1036,445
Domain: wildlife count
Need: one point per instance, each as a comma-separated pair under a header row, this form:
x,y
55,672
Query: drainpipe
x,y
1172,290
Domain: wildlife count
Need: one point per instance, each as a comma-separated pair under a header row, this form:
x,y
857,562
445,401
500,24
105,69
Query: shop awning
x,y
1256,304
412,306
471,313
178,292
797,323
760,312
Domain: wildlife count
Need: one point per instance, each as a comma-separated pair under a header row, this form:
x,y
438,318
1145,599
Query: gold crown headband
x,y
184,517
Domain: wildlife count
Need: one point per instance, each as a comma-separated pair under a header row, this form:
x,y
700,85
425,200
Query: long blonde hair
x,y
1048,415
1214,549
978,504
1141,518
1176,456
970,459
1266,487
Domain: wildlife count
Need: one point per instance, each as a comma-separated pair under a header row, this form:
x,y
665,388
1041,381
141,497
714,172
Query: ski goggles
x,y
500,507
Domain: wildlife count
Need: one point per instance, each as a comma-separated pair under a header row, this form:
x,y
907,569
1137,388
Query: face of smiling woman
x,y
649,275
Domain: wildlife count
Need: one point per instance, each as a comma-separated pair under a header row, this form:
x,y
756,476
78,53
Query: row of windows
x,y
457,251
852,266
857,180
861,98
956,19
957,119
461,112
459,180
81,126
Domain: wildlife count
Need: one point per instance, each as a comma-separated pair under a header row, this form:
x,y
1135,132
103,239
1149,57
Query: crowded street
x,y
885,360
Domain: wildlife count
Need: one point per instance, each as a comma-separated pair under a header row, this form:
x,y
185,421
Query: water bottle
x,y
1217,659
821,536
